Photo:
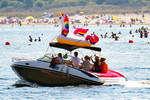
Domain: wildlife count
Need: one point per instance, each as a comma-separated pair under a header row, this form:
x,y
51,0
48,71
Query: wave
x,y
22,83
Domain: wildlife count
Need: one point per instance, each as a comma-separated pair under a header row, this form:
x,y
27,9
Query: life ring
x,y
65,32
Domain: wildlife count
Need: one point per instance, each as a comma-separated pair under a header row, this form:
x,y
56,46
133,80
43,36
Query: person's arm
x,y
82,59
63,61
71,62
91,59
80,66
91,67
99,63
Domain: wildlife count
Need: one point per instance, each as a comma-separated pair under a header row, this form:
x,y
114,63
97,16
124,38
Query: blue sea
x,y
130,59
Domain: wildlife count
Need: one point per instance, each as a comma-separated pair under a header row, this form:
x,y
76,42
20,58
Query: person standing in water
x,y
106,35
145,33
39,39
130,32
141,33
30,38
20,23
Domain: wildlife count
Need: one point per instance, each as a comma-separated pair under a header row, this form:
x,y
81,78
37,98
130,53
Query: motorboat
x,y
45,71
42,72
109,78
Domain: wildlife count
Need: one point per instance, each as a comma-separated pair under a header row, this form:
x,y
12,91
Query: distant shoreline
x,y
70,24
93,19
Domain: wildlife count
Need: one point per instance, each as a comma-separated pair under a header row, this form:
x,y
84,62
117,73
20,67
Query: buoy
x,y
116,38
7,43
130,41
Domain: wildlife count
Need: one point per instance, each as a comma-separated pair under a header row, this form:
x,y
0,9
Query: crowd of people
x,y
95,19
88,64
36,39
142,32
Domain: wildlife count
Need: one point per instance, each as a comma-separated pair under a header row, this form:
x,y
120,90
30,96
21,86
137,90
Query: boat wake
x,y
131,84
127,84
137,84
22,83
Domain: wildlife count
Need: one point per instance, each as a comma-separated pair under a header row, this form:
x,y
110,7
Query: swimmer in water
x,y
30,38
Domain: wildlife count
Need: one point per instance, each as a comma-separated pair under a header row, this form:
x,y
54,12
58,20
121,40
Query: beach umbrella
x,y
145,18
17,19
12,19
81,12
134,18
30,18
114,18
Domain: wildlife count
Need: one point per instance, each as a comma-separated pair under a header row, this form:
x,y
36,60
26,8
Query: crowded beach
x,y
79,19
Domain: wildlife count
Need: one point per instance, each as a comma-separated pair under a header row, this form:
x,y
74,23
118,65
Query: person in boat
x,y
75,60
60,58
103,65
54,62
96,65
86,65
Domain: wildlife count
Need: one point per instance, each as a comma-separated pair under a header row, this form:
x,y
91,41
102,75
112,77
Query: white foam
x,y
137,84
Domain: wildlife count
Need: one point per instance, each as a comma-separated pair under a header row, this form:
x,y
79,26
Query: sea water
x,y
130,59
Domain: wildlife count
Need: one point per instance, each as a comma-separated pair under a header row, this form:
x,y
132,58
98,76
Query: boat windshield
x,y
45,59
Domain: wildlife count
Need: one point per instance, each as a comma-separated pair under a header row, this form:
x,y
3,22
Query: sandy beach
x,y
94,19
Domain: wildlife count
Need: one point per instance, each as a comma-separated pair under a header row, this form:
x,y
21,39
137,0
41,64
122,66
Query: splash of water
x,y
137,84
